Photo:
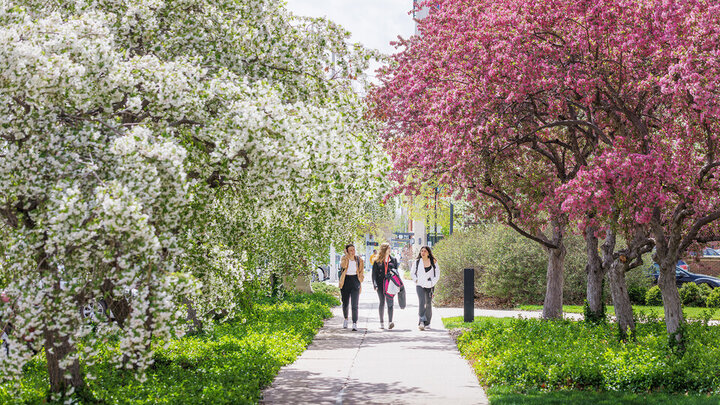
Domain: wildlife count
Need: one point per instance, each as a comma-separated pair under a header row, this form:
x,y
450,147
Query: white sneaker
x,y
382,325
421,326
391,325
345,322
354,326
427,327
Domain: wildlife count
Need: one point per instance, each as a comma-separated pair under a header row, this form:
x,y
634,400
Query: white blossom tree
x,y
157,155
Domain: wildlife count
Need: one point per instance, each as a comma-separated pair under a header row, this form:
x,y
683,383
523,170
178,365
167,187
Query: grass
x,y
457,321
230,364
531,361
690,312
508,396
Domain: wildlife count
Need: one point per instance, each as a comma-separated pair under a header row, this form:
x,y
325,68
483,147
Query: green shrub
x,y
638,284
691,295
326,289
231,363
713,299
509,268
528,354
594,318
653,297
705,290
455,253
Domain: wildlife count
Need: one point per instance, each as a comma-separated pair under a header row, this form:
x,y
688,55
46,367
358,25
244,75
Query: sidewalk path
x,y
400,366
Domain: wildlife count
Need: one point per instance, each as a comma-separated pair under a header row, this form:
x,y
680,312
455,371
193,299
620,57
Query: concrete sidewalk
x,y
401,366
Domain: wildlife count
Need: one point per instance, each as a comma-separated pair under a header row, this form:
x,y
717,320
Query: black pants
x,y
350,290
383,300
425,301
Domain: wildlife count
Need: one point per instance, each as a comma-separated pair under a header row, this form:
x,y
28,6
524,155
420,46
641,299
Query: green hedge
x,y
713,299
653,297
692,295
531,354
326,288
510,268
231,364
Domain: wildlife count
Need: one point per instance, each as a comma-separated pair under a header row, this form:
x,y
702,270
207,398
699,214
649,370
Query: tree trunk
x,y
61,378
552,307
671,298
120,308
621,299
192,316
595,275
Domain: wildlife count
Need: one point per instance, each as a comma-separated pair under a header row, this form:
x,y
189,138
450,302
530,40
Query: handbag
x,y
393,282
391,288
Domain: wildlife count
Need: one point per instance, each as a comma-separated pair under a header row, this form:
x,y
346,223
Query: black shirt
x,y
378,271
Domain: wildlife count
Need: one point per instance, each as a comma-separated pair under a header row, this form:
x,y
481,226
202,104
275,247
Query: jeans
x,y
383,300
425,301
350,292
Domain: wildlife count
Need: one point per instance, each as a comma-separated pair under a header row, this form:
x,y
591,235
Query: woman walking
x,y
425,274
351,276
383,265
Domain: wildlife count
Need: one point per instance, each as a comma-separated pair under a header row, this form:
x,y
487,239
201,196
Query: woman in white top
x,y
425,274
351,277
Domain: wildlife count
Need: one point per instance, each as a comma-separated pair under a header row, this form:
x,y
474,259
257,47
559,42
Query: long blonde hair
x,y
383,253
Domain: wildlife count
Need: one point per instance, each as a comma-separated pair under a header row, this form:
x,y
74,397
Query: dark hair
x,y
348,245
430,255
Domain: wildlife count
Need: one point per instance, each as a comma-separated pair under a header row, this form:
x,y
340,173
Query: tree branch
x,y
512,224
697,226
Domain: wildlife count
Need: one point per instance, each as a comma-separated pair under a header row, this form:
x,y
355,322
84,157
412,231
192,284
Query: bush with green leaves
x,y
638,284
653,297
326,288
691,295
534,354
229,364
457,252
713,299
509,266
705,291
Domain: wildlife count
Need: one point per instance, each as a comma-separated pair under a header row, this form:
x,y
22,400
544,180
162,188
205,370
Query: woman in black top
x,y
384,264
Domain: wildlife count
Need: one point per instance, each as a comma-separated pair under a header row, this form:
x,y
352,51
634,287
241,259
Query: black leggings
x,y
425,304
350,290
384,299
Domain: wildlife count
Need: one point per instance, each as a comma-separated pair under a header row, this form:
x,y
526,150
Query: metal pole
x,y
452,217
436,197
427,221
469,295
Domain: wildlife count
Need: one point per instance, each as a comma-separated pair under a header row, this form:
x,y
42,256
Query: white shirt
x,y
421,277
352,268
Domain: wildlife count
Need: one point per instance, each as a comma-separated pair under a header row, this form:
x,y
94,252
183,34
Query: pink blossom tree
x,y
663,183
507,100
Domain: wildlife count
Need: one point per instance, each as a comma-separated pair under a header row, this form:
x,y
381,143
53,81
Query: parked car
x,y
682,276
711,252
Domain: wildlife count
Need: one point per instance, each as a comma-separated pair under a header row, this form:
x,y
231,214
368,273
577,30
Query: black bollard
x,y
469,296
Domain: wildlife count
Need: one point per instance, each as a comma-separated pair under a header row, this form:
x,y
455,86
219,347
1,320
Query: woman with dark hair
x,y
352,275
383,265
425,274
